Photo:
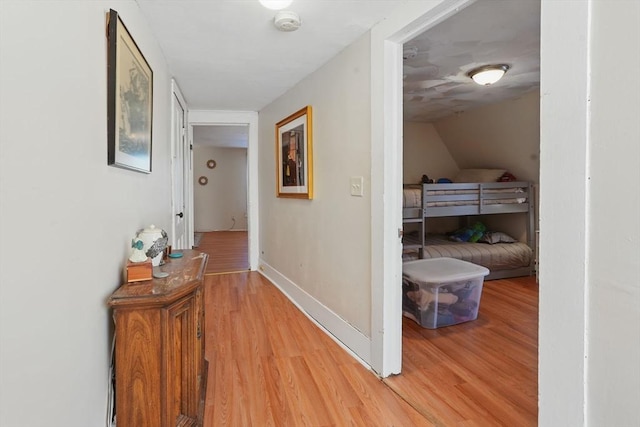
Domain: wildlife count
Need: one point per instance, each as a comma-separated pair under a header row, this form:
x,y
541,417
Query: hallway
x,y
269,364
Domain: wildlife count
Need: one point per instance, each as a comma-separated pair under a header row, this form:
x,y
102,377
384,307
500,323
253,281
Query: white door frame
x,y
176,96
387,39
234,118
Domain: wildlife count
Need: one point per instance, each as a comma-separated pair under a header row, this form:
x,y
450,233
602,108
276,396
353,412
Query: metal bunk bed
x,y
425,201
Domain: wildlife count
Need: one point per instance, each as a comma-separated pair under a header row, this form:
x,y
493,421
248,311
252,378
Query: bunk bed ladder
x,y
419,244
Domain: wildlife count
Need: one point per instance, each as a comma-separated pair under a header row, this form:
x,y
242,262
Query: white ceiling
x,y
228,55
225,136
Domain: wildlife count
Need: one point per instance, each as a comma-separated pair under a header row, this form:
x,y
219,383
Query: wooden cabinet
x,y
159,355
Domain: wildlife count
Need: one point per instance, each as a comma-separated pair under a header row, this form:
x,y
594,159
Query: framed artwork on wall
x,y
294,155
129,100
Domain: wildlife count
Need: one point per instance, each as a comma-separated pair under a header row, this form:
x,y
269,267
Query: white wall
x,y
613,269
563,206
505,135
66,218
590,238
424,153
322,245
225,195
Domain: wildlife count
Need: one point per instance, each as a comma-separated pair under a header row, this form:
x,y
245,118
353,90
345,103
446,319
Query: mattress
x,y
412,197
499,256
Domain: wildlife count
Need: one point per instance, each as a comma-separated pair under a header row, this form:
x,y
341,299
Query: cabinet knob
x,y
180,214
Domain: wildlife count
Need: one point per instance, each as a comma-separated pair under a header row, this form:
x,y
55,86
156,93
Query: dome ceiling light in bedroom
x,y
488,74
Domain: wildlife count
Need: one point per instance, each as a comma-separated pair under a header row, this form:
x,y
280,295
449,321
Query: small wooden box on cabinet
x,y
159,352
139,271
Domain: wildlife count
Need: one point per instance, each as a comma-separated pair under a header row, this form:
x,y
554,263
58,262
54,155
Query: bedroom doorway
x,y
420,87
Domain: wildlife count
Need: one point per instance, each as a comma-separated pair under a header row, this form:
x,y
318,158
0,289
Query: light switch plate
x,y
357,184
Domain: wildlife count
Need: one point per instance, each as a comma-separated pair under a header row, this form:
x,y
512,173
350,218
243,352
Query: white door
x,y
179,154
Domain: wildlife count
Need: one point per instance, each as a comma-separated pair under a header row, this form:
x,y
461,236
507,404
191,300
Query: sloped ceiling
x,y
436,83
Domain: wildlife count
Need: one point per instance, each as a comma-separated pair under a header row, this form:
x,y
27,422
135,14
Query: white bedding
x,y
412,198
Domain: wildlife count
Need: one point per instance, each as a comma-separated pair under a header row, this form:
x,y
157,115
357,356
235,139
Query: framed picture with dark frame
x,y
129,100
294,155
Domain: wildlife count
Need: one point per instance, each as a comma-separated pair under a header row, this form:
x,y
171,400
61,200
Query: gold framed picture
x,y
294,155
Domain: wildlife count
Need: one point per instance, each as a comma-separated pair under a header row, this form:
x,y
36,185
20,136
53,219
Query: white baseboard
x,y
348,337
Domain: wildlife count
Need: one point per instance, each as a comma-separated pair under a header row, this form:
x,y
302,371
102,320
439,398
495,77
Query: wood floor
x,y
228,251
270,365
480,373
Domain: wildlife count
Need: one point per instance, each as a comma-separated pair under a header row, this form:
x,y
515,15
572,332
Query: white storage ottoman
x,y
440,292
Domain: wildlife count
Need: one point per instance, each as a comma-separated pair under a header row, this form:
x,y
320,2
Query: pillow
x,y
479,175
492,237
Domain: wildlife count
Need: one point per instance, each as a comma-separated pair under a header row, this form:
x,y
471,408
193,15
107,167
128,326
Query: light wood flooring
x,y
270,365
228,251
479,373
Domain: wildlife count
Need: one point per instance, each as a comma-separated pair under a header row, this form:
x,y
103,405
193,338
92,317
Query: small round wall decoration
x,y
203,180
211,164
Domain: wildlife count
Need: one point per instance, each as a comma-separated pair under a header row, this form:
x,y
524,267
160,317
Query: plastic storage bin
x,y
440,292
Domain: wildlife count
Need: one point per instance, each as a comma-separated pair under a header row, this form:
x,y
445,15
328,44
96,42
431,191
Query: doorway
x,y
220,178
227,142
443,112
180,172
220,196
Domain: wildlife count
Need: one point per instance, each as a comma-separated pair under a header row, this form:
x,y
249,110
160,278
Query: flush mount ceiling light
x,y
275,4
488,74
